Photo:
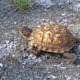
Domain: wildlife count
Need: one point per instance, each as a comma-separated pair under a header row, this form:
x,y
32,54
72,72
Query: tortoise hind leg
x,y
77,40
71,56
35,50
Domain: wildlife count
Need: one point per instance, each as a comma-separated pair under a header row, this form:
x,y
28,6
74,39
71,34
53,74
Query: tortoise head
x,y
25,32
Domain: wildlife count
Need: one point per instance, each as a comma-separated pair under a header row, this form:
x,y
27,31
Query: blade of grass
x,y
22,4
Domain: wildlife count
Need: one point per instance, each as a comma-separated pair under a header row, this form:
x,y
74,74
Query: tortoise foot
x,y
72,57
35,51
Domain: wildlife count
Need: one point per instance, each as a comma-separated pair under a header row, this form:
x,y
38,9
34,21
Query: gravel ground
x,y
16,62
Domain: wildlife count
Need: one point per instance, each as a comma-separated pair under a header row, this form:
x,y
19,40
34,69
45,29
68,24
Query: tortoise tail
x,y
77,40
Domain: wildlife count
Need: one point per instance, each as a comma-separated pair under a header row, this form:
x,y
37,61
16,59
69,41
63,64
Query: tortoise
x,y
51,38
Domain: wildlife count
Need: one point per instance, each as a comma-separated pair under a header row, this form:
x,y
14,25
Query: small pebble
x,y
1,65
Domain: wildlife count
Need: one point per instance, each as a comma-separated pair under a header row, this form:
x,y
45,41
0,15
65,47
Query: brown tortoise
x,y
51,38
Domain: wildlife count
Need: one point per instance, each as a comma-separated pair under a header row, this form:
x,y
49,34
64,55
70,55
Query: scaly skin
x,y
77,40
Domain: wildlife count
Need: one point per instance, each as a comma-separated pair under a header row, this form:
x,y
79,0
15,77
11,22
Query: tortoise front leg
x,y
35,50
71,56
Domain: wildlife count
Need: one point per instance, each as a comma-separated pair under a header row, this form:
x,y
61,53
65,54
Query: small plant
x,y
22,4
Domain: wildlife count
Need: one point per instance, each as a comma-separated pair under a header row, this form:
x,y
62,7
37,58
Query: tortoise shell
x,y
52,38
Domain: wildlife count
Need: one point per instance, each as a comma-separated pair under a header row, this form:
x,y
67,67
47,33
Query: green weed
x,y
22,4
